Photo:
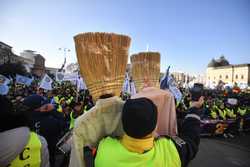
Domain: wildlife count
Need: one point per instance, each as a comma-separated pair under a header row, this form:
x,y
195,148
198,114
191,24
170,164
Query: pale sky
x,y
187,33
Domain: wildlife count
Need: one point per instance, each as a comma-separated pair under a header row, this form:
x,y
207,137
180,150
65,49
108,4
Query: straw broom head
x,y
102,58
145,69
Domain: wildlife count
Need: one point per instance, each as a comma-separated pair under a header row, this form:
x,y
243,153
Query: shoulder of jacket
x,y
177,140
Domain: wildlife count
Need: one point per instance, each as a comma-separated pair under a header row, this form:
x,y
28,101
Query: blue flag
x,y
164,81
23,80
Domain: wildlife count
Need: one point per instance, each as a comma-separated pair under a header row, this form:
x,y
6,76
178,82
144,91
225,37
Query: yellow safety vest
x,y
230,113
222,113
56,99
31,154
242,112
59,108
112,153
213,114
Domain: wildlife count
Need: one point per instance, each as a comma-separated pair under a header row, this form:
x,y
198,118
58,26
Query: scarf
x,y
137,145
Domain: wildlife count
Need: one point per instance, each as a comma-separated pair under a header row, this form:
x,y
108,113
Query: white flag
x,y
23,80
46,82
70,76
176,92
132,88
126,84
4,80
173,89
4,88
59,76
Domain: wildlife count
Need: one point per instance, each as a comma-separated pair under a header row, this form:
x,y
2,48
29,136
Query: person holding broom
x,y
130,125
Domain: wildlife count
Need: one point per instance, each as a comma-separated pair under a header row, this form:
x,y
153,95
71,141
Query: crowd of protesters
x,y
227,106
49,115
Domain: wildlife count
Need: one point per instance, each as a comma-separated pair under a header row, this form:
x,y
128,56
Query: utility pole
x,y
232,74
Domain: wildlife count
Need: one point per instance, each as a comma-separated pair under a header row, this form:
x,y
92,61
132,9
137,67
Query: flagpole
x,y
77,89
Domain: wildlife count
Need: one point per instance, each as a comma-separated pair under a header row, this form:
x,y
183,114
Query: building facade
x,y
29,55
181,77
229,74
39,65
33,62
6,54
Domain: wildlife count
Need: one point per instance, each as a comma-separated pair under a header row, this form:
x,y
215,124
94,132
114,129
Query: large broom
x,y
145,69
102,58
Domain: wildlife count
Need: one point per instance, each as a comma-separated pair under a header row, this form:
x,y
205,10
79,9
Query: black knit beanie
x,y
139,117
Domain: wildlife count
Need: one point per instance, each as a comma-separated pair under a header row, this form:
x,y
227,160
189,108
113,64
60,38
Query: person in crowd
x,y
139,147
46,121
76,112
19,145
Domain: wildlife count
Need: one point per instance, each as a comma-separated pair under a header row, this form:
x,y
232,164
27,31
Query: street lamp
x,y
65,50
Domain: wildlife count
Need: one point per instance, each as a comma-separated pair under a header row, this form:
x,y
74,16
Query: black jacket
x,y
51,126
187,143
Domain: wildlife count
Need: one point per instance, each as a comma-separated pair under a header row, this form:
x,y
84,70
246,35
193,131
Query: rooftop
x,y
233,65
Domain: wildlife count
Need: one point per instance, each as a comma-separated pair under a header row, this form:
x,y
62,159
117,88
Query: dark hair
x,y
12,117
197,91
139,117
106,96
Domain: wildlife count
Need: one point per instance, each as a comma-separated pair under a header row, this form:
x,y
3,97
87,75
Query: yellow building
x,y
221,70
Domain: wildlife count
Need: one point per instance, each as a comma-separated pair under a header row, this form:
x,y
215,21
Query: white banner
x,y
46,82
70,77
81,84
243,85
23,80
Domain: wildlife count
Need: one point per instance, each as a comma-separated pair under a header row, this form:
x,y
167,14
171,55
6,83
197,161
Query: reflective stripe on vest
x,y
241,111
59,108
111,152
68,101
31,154
72,121
56,99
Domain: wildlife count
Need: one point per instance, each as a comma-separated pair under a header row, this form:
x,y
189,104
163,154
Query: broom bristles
x,y
102,58
146,69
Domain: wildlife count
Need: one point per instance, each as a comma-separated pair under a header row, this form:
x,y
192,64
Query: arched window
x,y
242,76
236,76
226,76
214,78
220,76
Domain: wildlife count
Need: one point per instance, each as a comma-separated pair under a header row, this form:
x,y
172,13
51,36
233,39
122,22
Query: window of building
x,y
236,76
214,78
226,76
220,76
242,76
208,78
